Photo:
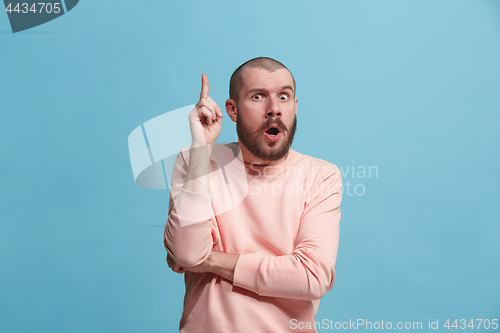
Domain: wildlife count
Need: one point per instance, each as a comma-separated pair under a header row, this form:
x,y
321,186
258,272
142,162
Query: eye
x,y
283,97
258,96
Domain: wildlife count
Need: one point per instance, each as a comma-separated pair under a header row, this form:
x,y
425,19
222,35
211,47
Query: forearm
x,y
188,232
297,276
219,263
222,264
198,170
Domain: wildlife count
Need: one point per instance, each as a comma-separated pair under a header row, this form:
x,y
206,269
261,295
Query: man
x,y
254,225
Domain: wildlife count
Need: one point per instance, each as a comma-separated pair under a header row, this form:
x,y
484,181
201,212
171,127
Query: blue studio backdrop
x,y
403,96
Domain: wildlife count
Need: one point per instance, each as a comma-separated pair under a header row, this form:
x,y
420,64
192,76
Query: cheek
x,y
250,121
249,110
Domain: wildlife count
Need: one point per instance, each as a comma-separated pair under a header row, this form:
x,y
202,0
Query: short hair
x,y
269,64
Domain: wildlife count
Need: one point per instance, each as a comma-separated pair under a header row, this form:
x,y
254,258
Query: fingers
x,y
204,94
209,109
169,261
214,108
204,86
207,114
174,266
180,270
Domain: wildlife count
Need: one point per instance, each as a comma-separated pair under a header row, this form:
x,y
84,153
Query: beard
x,y
256,143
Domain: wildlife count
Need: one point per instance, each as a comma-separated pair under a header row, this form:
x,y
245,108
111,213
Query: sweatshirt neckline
x,y
255,168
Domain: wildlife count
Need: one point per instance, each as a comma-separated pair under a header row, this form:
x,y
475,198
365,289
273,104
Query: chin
x,y
273,153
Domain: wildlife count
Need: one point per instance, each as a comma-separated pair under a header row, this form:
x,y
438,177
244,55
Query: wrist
x,y
209,263
222,264
199,146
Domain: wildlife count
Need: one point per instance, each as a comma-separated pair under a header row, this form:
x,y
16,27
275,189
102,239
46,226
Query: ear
x,y
231,109
296,105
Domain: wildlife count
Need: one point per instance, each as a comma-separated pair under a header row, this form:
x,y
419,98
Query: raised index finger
x,y
204,86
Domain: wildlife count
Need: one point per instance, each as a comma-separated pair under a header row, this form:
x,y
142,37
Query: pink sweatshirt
x,y
282,221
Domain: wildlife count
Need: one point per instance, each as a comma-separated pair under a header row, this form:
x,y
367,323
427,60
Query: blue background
x,y
411,87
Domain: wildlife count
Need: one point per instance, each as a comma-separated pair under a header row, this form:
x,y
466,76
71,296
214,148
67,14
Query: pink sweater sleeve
x,y
308,273
188,235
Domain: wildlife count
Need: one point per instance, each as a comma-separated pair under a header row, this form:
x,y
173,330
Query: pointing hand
x,y
205,120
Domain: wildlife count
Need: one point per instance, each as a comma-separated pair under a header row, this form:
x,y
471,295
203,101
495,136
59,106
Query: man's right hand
x,y
205,120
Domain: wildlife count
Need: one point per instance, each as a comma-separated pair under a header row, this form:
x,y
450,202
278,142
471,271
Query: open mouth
x,y
273,131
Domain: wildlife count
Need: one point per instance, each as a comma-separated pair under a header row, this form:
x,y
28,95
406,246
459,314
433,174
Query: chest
x,y
257,215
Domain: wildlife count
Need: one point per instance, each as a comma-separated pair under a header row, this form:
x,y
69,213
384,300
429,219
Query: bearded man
x,y
253,225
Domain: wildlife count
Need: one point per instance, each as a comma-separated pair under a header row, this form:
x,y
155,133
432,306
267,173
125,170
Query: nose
x,y
273,108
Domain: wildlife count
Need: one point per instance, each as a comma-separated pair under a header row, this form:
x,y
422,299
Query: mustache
x,y
273,121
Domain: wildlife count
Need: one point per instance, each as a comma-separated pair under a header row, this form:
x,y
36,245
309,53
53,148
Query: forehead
x,y
253,78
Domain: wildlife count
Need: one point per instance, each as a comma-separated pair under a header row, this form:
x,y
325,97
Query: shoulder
x,y
322,181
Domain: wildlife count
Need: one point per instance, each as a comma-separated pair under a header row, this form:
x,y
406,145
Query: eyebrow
x,y
263,89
